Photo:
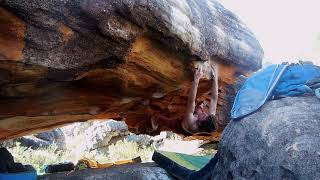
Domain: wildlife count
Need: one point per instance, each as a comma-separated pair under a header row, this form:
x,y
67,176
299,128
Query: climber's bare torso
x,y
195,115
195,119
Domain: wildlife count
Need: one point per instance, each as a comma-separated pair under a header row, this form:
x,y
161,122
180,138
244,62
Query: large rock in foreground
x,y
67,61
280,141
146,171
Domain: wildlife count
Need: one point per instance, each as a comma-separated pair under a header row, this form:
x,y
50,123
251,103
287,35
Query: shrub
x,y
36,158
123,150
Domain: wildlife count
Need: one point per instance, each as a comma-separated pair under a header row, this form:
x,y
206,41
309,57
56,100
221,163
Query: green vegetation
x,y
37,158
121,150
132,150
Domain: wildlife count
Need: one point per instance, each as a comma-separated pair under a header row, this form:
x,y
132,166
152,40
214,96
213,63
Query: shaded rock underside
x,y
66,61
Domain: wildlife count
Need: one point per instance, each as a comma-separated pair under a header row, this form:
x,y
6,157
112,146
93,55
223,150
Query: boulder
x,y
100,133
7,164
279,141
167,135
67,61
141,139
5,159
156,141
143,171
75,129
33,142
40,140
55,136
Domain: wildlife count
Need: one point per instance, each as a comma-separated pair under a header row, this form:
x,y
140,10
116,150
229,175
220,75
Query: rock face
x,y
40,140
7,164
146,171
55,136
99,134
75,129
280,141
67,61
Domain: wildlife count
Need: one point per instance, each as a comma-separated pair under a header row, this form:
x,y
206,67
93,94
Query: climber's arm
x,y
193,92
214,92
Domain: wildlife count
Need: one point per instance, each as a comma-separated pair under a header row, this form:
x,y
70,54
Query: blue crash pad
x,y
273,82
32,175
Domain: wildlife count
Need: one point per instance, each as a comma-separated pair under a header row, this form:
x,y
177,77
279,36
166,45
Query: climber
x,y
196,119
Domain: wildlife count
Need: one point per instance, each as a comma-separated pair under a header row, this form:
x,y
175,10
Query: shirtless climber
x,y
195,119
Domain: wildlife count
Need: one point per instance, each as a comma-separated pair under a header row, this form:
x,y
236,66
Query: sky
x,y
288,30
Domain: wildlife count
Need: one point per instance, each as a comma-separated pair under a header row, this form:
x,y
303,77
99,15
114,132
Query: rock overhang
x,y
74,61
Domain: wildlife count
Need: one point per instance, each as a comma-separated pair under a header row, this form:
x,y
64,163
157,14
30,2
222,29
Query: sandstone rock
x,y
156,141
167,135
145,171
7,164
141,139
280,141
55,136
33,142
40,140
100,133
75,129
68,61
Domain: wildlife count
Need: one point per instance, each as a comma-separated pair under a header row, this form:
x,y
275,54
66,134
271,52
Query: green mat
x,y
189,161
